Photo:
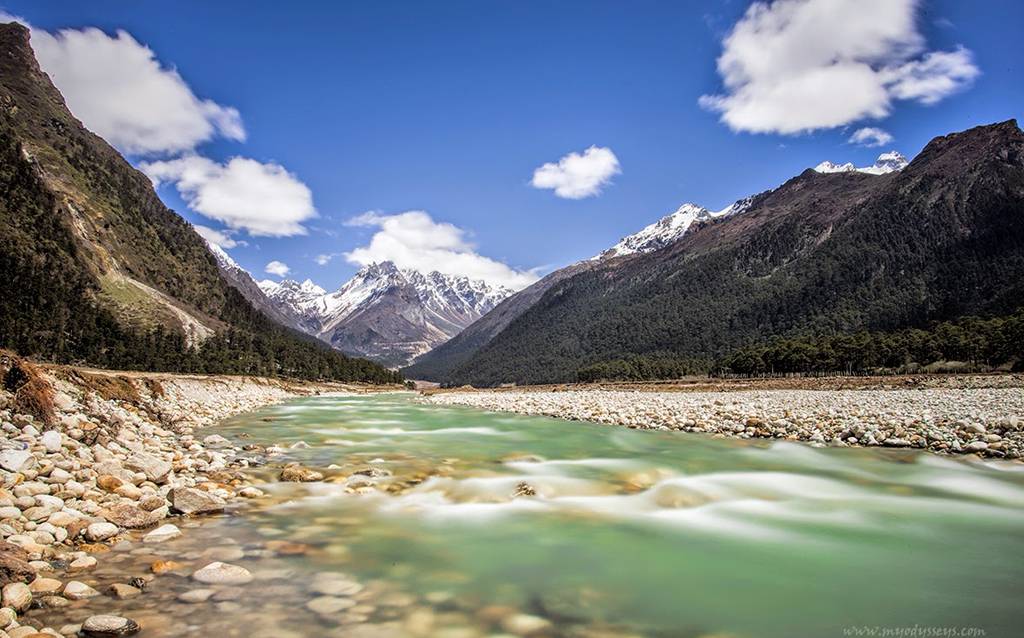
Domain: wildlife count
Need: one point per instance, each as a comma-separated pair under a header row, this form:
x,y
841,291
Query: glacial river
x,y
626,533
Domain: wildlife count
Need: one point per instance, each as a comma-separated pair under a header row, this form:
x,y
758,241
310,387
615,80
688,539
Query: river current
x,y
458,523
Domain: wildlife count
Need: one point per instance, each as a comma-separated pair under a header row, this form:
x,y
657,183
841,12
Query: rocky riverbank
x,y
972,415
88,456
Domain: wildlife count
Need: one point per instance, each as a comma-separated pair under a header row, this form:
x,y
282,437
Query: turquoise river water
x,y
626,533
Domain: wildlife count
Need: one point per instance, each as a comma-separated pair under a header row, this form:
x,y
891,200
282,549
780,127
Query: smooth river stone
x,y
106,626
218,573
162,533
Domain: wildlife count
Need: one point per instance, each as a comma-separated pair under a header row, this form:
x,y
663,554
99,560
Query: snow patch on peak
x,y
222,257
670,228
886,163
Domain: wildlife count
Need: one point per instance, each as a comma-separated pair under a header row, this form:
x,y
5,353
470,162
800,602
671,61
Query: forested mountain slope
x,y
96,269
822,254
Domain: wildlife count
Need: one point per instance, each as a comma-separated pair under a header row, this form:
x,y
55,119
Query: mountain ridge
x,y
822,252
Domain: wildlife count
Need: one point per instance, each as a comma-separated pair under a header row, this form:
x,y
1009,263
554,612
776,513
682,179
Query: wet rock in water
x,y
45,586
81,564
164,566
218,573
330,584
196,596
250,492
131,516
189,500
328,605
524,489
122,591
77,590
100,531
295,473
162,533
14,565
107,626
976,446
526,625
216,441
17,596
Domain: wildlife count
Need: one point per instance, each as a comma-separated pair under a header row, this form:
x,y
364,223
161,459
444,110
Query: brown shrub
x,y
156,389
32,392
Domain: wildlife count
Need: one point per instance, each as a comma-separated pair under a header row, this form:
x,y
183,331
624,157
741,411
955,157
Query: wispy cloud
x,y
870,136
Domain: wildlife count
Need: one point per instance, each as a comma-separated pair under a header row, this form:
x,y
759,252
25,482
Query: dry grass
x,y
109,387
32,392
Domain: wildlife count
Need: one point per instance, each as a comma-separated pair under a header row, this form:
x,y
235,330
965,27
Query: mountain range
x,y
388,314
832,250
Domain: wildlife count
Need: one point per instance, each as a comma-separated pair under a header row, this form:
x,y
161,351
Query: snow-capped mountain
x,y
386,313
670,228
241,280
886,163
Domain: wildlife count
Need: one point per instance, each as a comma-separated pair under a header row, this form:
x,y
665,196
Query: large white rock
x,y
154,468
51,440
16,460
218,573
189,500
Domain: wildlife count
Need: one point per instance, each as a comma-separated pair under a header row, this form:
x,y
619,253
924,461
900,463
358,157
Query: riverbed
x,y
454,522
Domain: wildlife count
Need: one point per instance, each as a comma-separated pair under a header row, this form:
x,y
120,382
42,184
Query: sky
x,y
504,140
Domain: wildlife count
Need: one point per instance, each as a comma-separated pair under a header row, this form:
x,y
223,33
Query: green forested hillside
x,y
824,254
94,269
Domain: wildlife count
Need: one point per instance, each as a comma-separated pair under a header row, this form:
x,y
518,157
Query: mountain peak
x,y
888,162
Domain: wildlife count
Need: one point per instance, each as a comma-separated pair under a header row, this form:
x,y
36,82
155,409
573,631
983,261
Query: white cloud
x,y
121,92
218,237
414,240
799,65
576,176
278,268
263,199
870,136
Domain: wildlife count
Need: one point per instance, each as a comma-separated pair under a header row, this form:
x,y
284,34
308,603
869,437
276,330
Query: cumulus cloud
x,y
413,239
278,268
218,237
800,65
870,136
576,175
263,199
121,91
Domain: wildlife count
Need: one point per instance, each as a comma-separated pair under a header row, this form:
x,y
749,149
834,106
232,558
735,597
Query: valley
x,y
532,320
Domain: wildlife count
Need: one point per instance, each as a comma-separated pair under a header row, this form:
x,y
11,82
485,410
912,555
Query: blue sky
x,y
450,107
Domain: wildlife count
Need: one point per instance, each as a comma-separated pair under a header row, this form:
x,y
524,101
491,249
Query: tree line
x,y
966,344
